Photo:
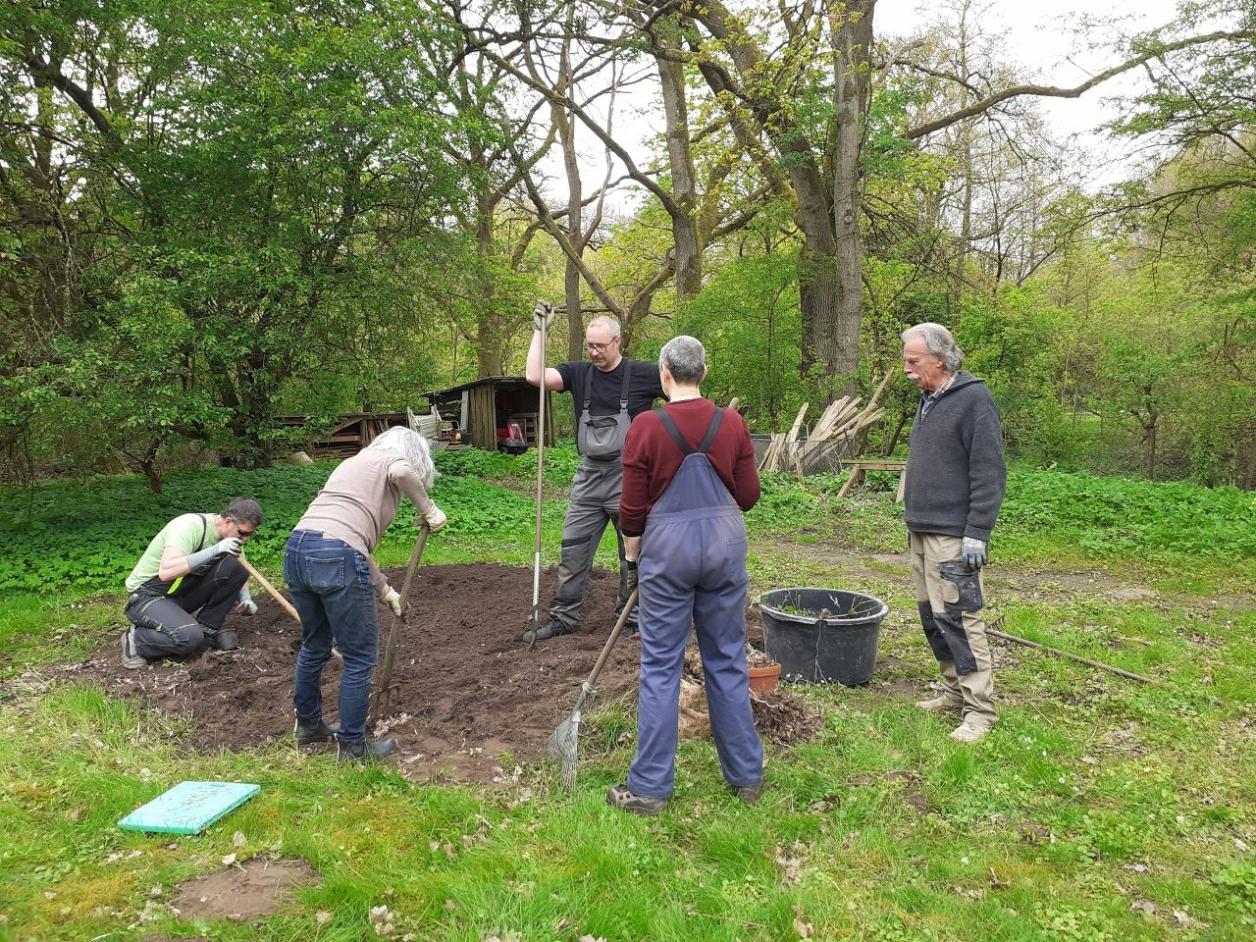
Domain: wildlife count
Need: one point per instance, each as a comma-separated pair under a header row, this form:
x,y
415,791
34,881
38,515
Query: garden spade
x,y
385,688
565,741
540,479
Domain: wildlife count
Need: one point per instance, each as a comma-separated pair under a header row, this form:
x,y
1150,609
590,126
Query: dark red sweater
x,y
652,458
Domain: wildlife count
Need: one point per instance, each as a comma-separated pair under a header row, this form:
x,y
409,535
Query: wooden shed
x,y
485,406
348,434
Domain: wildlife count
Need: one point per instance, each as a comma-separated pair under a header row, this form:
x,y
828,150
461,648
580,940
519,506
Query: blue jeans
x,y
331,588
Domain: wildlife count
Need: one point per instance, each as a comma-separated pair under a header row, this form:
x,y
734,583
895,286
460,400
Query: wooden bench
x,y
859,467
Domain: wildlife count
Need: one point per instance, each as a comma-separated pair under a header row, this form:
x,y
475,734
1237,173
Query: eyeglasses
x,y
599,347
245,534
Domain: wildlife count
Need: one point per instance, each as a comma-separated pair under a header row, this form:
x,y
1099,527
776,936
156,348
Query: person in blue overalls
x,y
689,473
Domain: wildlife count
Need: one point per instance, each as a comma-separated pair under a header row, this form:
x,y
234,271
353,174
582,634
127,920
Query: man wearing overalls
x,y
607,390
689,473
186,582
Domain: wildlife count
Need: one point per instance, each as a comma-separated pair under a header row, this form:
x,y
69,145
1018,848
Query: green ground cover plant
x,y
1099,809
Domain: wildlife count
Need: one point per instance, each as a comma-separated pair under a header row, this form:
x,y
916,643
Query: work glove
x,y
435,518
247,606
634,576
542,314
393,601
973,552
229,546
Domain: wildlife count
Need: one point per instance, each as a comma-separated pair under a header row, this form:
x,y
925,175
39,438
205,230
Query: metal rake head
x,y
564,744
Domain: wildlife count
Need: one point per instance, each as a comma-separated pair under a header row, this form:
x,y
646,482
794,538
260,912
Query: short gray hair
x,y
411,447
685,359
608,322
940,342
243,510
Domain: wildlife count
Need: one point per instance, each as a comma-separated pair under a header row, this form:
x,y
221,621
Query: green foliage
x,y
748,319
1129,518
236,232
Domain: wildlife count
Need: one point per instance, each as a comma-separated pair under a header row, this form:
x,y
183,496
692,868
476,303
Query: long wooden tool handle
x,y
270,589
1004,636
394,633
540,479
610,642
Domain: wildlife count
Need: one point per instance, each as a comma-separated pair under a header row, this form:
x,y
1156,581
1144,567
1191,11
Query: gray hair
x,y
938,341
685,359
410,446
244,510
608,322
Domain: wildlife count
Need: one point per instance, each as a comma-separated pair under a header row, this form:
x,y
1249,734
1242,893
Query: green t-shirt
x,y
186,532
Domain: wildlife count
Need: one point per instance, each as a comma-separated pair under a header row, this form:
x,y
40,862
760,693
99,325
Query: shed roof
x,y
487,380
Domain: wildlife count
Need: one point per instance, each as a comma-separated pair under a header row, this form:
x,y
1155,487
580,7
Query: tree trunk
x,y
852,40
685,238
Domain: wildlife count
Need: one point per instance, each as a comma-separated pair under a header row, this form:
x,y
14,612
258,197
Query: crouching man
x,y
187,581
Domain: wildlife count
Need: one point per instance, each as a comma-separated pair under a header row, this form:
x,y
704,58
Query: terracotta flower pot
x,y
764,679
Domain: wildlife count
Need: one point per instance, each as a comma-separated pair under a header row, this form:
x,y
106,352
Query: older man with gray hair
x,y
954,488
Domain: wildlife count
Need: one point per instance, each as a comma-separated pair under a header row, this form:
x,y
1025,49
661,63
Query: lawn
x,y
1099,809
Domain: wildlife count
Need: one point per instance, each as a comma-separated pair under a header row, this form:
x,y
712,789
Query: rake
x,y
564,742
383,693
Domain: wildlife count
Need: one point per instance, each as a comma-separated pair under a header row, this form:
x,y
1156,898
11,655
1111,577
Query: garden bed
x,y
472,698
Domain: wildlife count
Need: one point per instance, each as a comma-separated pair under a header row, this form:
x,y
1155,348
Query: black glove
x,y
631,568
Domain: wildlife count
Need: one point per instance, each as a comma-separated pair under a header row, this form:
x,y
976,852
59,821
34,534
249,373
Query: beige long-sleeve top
x,y
360,500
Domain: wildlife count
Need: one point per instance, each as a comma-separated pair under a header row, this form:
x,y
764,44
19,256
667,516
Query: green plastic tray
x,y
189,807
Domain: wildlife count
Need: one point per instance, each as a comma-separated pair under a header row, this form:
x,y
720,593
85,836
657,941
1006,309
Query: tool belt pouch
x,y
961,590
602,436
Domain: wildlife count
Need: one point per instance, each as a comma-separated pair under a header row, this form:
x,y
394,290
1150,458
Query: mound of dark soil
x,y
471,697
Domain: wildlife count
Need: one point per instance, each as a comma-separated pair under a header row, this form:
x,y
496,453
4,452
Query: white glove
x,y
393,601
542,314
973,551
435,518
231,545
247,606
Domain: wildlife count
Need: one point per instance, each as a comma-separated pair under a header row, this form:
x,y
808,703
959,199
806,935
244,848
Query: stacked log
x,y
838,434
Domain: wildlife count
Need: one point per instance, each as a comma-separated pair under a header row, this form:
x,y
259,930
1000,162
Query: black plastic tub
x,y
826,636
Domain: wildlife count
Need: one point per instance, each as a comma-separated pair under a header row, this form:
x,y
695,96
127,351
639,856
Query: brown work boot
x,y
750,794
971,730
943,703
620,796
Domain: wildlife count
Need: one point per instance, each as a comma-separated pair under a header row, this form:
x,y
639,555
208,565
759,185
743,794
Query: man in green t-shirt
x,y
186,582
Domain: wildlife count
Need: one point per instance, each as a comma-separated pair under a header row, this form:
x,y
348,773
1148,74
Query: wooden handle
x,y
270,589
610,642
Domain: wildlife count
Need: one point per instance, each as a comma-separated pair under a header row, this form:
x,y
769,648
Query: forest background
x,y
214,213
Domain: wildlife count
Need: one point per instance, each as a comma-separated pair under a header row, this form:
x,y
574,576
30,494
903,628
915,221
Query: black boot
x,y
364,751
312,732
223,640
551,629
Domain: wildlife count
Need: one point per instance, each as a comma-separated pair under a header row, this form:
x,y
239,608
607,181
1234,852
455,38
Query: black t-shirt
x,y
643,386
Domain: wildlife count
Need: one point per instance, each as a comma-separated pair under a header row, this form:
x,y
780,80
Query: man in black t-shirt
x,y
607,391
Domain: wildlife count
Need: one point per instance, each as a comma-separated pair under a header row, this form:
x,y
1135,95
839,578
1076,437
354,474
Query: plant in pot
x,y
765,673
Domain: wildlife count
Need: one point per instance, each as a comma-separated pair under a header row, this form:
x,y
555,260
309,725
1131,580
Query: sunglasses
x,y
244,534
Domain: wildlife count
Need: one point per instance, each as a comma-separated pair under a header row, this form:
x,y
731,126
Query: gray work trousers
x,y
593,504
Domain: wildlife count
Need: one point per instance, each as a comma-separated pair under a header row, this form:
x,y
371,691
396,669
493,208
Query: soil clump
x,y
245,892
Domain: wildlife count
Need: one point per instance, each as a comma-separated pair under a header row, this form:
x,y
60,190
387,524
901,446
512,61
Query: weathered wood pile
x,y
837,435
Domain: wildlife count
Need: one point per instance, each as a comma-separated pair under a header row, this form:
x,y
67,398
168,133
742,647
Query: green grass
x,y
1093,794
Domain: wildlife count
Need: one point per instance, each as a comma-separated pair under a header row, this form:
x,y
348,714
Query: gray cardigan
x,y
955,470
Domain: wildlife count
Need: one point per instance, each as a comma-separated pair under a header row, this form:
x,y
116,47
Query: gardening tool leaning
x,y
540,479
564,742
384,690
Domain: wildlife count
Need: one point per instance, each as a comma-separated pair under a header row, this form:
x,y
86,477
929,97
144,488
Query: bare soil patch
x,y
472,698
245,892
